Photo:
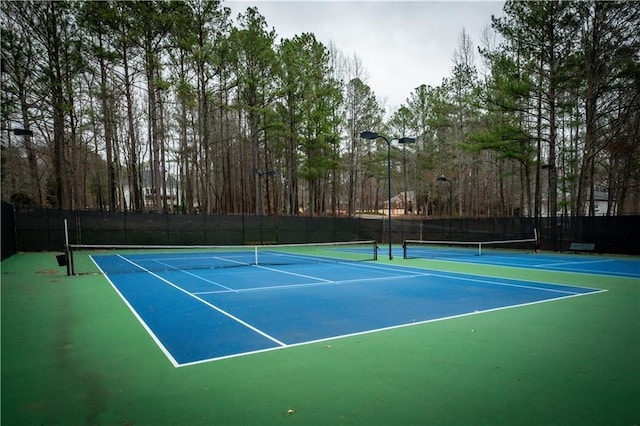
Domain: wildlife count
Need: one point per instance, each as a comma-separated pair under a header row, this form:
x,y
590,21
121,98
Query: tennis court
x,y
201,306
328,336
475,253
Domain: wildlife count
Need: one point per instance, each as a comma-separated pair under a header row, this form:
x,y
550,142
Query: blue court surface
x,y
199,315
575,263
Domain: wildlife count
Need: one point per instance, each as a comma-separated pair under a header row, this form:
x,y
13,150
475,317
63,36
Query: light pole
x,y
444,179
372,136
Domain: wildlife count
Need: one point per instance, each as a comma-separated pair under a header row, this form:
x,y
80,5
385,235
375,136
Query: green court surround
x,y
73,353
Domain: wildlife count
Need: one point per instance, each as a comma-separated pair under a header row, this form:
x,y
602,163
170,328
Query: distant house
x,y
398,203
600,198
148,190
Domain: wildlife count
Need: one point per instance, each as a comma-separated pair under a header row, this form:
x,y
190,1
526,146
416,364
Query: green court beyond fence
x,y
73,353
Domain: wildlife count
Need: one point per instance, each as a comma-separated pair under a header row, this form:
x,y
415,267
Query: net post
x,y
73,266
67,254
479,249
404,249
375,250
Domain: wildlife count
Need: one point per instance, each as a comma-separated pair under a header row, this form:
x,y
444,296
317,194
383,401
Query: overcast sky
x,y
400,44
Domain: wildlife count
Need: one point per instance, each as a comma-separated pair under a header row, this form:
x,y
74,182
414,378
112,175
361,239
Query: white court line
x,y
542,265
195,276
135,313
499,281
389,268
317,284
515,285
322,281
222,311
274,287
485,281
293,273
393,327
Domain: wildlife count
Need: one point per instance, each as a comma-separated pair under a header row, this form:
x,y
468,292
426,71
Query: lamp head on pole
x,y
373,135
22,132
267,173
369,135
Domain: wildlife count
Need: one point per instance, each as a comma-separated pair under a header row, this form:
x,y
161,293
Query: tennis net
x,y
143,258
413,249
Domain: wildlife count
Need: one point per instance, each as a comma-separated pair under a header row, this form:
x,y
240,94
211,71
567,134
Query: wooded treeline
x,y
176,106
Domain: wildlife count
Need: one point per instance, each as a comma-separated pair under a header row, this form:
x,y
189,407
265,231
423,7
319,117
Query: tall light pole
x,y
372,136
444,179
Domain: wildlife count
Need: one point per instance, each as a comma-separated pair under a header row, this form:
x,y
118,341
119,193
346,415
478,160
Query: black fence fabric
x,y
43,230
9,247
608,234
40,229
491,229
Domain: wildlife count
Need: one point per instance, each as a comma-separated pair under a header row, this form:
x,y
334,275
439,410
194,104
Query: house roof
x,y
400,198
